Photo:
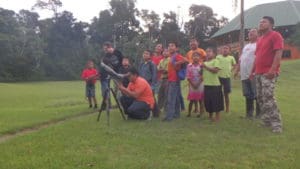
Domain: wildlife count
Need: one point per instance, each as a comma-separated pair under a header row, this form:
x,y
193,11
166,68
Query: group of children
x,y
207,73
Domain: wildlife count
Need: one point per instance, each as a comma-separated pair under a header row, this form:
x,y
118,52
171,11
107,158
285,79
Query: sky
x,y
87,9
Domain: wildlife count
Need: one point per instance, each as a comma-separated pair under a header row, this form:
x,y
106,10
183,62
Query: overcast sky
x,y
85,10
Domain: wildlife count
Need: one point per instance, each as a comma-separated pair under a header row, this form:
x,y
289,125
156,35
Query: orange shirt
x,y
199,50
143,89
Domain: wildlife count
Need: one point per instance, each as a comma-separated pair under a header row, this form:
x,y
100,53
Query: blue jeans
x,y
182,106
173,103
105,87
135,109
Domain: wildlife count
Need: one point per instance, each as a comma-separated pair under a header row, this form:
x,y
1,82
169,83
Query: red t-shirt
x,y
156,60
86,73
265,51
143,89
172,70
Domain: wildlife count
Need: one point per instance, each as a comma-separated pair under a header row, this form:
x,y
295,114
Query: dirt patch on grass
x,y
27,130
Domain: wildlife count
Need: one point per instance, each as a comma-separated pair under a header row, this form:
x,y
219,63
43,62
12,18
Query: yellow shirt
x,y
226,64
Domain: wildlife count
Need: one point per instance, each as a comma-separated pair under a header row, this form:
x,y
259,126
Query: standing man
x,y
194,46
245,66
113,58
173,102
267,64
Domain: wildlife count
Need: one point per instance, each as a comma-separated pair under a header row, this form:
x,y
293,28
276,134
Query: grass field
x,y
185,143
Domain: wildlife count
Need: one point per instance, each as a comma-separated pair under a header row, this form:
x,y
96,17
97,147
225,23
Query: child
x,y
163,88
227,62
194,77
173,103
90,75
213,97
148,71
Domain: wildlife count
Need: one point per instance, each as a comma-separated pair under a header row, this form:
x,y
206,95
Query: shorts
x,y
226,84
213,99
90,90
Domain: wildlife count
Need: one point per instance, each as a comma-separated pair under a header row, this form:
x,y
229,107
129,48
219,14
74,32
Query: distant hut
x,y
286,15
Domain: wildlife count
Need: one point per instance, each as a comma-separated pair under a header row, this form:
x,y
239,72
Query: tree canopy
x,y
57,48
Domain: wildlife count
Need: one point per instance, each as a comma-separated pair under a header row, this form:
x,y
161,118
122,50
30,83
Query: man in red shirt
x,y
138,99
90,76
267,63
173,102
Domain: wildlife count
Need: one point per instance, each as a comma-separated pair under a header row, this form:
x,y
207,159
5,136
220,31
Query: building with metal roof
x,y
285,13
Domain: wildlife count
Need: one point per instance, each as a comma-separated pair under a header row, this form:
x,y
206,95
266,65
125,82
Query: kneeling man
x,y
138,99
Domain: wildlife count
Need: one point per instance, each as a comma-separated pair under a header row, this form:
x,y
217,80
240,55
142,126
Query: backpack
x,y
181,73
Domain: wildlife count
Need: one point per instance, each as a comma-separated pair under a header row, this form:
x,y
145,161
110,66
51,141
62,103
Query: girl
x,y
194,77
213,96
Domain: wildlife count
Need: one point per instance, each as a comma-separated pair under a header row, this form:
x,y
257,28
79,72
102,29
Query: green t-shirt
x,y
163,64
209,78
226,64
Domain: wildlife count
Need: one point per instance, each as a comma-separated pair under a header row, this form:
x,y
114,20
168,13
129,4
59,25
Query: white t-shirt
x,y
247,60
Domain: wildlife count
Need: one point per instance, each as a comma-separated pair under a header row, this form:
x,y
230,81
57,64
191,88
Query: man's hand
x,y
270,75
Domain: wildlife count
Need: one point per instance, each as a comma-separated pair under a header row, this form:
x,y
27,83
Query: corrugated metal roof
x,y
284,13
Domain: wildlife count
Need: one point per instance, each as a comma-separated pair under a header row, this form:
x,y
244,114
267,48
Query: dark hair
x,y
147,50
270,19
133,71
227,46
194,39
174,42
107,44
214,49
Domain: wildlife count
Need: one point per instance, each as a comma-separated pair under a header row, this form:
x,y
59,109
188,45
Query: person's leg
x,y
227,90
260,100
139,110
270,106
155,110
249,96
105,85
210,116
178,100
218,116
190,108
201,105
171,101
181,100
126,102
160,95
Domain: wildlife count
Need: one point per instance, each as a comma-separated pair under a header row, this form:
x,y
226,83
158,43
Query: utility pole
x,y
242,27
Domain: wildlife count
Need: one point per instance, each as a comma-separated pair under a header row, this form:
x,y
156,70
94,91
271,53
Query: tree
x,y
152,24
51,5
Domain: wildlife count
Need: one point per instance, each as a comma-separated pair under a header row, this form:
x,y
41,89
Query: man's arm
x,y
211,69
276,62
124,90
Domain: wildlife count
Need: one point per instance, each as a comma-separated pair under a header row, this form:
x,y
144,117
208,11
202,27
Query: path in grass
x,y
28,130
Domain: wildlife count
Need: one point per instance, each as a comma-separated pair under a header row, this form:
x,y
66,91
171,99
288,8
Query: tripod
x,y
105,105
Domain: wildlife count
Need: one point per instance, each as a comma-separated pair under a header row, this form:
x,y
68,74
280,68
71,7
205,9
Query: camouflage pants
x,y
266,100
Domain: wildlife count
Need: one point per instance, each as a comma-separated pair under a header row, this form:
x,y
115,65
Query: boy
x,y
163,88
227,62
90,75
148,71
175,62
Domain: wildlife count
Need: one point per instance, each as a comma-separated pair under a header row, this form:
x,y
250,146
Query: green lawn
x,y
185,143
27,104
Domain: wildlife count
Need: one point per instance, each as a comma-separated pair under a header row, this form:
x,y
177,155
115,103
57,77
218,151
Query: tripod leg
x,y
118,104
99,114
